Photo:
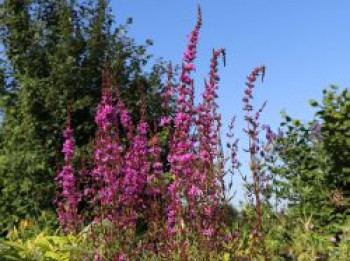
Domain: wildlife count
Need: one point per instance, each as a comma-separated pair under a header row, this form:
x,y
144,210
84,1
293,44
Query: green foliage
x,y
335,113
313,177
54,54
43,247
285,239
314,172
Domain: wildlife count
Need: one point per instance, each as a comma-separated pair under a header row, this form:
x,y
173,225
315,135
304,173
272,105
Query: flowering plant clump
x,y
177,198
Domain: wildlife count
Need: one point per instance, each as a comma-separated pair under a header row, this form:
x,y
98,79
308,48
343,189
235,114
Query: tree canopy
x,y
54,52
314,172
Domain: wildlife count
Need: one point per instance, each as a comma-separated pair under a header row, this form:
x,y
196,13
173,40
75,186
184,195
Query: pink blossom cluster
x,y
107,154
182,155
69,198
136,170
208,127
134,178
207,114
197,166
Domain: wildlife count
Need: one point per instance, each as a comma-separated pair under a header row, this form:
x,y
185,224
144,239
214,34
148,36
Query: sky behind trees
x,y
305,46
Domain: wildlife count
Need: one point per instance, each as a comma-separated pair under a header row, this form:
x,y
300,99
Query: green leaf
x,y
313,103
227,257
56,256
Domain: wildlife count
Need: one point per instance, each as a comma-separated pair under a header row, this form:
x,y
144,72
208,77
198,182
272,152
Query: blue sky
x,y
305,45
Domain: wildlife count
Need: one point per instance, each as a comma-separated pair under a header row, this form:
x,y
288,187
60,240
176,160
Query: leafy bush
x,y
43,246
314,174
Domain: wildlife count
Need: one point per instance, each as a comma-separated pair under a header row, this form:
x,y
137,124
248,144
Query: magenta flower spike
x,y
154,152
136,171
252,130
125,119
182,154
107,155
69,197
208,118
209,177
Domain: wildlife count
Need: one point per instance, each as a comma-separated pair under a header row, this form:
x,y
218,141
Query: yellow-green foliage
x,y
42,247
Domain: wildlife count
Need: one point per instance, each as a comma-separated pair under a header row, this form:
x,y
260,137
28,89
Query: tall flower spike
x,y
182,154
252,131
107,155
136,171
186,87
69,198
208,117
125,119
210,177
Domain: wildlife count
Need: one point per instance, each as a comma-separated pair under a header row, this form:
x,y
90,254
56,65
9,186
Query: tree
x,y
54,53
314,176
